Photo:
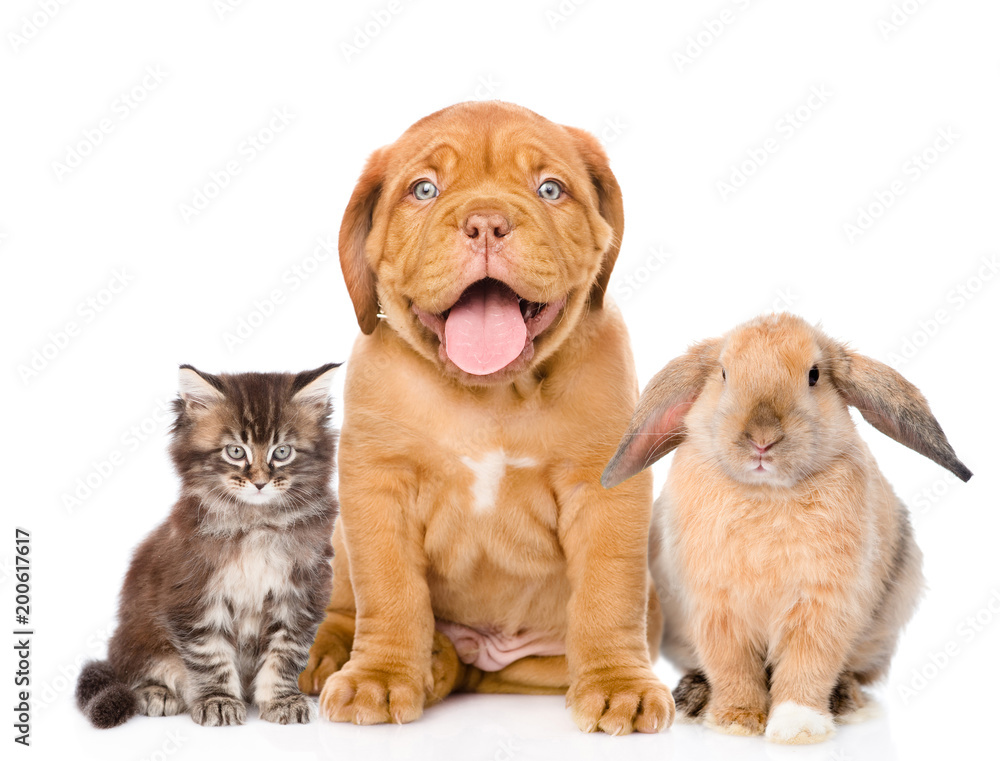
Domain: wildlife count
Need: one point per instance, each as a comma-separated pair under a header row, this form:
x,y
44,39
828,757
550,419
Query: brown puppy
x,y
479,413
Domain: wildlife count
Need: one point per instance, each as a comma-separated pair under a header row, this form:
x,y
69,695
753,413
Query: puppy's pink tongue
x,y
485,331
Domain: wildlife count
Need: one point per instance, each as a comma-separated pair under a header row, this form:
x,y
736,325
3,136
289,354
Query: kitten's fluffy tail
x,y
103,697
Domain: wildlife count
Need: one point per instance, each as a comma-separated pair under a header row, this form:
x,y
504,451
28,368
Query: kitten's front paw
x,y
371,696
157,700
292,709
219,711
619,703
796,724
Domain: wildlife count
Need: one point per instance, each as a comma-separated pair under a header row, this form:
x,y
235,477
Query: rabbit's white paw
x,y
796,724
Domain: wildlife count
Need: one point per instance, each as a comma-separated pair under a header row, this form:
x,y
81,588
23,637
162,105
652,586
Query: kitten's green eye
x,y
282,453
235,452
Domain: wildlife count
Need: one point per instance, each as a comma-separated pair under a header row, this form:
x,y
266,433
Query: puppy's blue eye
x,y
550,190
425,190
235,452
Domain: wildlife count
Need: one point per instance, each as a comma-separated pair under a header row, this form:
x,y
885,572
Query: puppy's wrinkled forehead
x,y
470,147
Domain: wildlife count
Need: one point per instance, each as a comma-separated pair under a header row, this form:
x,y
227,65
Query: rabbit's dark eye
x,y
813,375
723,375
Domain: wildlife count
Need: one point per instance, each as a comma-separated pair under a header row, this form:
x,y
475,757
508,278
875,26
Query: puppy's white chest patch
x,y
488,472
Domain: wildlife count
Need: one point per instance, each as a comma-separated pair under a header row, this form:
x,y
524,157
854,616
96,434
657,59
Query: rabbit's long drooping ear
x,y
657,426
897,408
354,229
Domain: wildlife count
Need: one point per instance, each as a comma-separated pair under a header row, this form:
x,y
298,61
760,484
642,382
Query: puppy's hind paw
x,y
327,656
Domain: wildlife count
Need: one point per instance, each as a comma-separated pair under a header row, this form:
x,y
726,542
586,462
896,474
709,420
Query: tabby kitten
x,y
221,602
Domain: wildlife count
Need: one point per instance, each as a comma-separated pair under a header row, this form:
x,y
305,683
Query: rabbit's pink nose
x,y
762,448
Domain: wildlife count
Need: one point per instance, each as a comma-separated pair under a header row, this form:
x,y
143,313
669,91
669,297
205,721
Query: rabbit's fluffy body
x,y
784,562
811,582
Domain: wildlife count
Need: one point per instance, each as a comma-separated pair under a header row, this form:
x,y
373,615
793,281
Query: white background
x,y
694,263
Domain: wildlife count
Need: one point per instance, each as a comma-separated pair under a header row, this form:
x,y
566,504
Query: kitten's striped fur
x,y
222,601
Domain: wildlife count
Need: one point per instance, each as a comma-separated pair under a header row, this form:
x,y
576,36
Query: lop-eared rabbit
x,y
785,564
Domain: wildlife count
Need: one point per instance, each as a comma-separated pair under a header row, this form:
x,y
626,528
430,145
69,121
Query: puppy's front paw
x,y
219,711
291,709
619,703
371,696
796,724
737,720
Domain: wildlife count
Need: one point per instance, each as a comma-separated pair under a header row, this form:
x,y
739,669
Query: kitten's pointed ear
x,y
657,426
897,408
198,388
313,386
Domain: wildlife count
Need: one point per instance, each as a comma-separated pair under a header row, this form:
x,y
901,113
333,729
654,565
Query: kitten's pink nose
x,y
260,484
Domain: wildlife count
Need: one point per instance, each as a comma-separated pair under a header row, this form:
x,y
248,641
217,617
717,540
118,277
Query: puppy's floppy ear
x,y
354,229
657,426
609,200
897,408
